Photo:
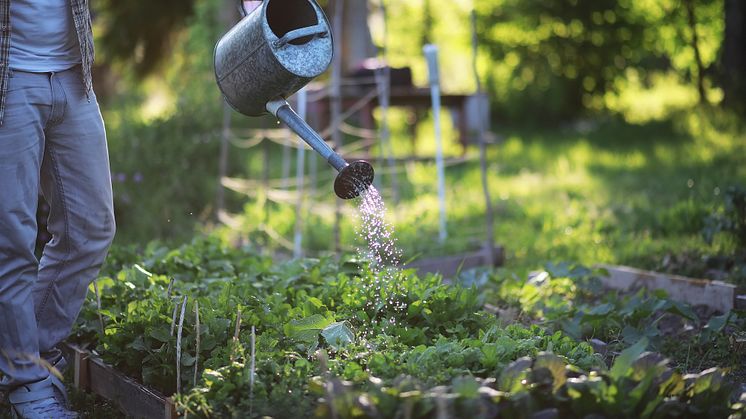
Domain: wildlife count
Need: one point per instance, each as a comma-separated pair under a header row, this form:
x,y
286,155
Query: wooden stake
x,y
170,287
173,316
178,346
98,304
225,133
252,371
383,81
335,97
238,324
196,349
489,215
323,358
299,180
431,56
235,334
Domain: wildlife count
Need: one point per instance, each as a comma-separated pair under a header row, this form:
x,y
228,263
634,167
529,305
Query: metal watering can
x,y
272,53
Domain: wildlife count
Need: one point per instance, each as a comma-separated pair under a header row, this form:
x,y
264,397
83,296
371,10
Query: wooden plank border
x,y
92,374
717,295
449,266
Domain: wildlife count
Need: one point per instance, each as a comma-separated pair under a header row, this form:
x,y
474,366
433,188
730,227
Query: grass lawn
x,y
608,192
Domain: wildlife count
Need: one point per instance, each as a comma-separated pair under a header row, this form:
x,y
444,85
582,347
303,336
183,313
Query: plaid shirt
x,y
82,18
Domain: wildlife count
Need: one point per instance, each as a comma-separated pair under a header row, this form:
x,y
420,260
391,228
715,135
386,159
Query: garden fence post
x,y
489,217
299,179
431,55
223,159
383,82
336,105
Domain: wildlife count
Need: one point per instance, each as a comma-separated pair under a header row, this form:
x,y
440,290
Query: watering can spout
x,y
353,178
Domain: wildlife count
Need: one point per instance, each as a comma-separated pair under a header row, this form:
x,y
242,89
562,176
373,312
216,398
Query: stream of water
x,y
381,251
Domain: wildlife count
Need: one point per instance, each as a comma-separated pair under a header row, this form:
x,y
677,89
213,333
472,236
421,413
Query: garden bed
x,y
450,266
717,295
317,337
90,373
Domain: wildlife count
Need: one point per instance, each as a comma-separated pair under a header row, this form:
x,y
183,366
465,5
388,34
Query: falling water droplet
x,y
381,250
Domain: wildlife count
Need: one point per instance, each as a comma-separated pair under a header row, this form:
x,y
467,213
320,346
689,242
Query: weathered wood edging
x,y
92,374
449,266
717,295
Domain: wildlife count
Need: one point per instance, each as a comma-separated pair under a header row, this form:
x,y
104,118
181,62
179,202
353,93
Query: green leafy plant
x,y
639,384
405,341
730,221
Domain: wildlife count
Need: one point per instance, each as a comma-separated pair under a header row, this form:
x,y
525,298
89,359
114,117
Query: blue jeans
x,y
52,138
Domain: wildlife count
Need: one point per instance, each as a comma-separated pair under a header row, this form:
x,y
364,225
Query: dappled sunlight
x,y
160,103
656,99
715,132
635,159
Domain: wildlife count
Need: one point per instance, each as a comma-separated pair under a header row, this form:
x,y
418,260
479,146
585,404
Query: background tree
x,y
734,55
560,53
560,58
140,32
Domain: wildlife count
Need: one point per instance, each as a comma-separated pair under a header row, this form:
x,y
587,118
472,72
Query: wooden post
x,y
178,345
383,81
489,217
228,14
336,106
299,180
223,162
431,54
197,342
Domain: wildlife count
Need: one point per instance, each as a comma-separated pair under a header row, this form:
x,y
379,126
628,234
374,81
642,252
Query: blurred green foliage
x,y
603,189
554,58
559,58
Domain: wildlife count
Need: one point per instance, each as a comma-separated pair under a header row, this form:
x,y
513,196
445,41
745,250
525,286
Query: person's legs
x,y
76,181
21,150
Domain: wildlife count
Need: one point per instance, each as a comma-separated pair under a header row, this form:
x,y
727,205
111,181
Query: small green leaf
x,y
623,362
316,302
187,360
601,310
466,387
310,336
317,321
718,323
338,335
161,334
138,344
683,310
553,363
511,376
708,380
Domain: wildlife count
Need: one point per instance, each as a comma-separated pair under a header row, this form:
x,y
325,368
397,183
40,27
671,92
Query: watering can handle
x,y
242,7
319,29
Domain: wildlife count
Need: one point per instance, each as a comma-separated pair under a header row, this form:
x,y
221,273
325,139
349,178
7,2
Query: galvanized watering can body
x,y
272,52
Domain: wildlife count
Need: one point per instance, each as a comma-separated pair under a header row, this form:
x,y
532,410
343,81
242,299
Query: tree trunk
x,y
692,19
356,42
734,55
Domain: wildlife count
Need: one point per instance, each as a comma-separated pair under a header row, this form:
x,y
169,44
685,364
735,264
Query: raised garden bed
x,y
90,373
314,338
450,266
717,295
266,327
